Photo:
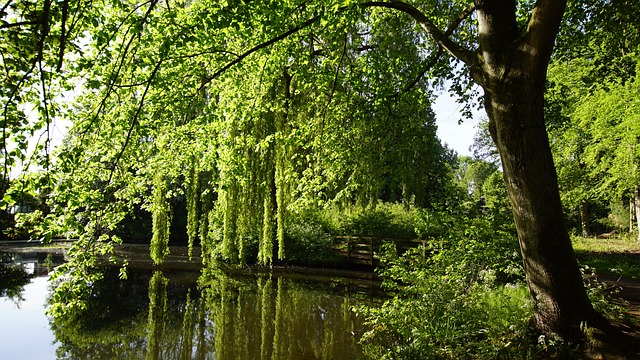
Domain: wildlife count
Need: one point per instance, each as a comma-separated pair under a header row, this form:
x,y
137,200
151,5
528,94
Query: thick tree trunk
x,y
510,63
515,109
584,219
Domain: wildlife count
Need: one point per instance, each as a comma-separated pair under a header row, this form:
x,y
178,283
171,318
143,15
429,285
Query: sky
x,y
459,137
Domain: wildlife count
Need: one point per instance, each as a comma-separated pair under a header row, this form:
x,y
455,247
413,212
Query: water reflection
x,y
17,270
176,315
279,319
24,329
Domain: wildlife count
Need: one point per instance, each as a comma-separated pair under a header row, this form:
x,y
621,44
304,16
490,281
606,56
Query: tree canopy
x,y
251,110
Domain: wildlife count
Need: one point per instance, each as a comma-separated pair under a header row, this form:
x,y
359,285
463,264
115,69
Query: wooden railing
x,y
362,250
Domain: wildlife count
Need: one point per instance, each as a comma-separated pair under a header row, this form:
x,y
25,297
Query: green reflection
x,y
283,319
157,315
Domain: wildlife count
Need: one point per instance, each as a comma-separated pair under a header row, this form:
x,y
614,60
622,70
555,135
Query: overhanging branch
x,y
134,119
258,47
442,38
434,59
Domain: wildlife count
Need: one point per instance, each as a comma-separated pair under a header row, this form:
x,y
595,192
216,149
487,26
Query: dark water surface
x,y
176,314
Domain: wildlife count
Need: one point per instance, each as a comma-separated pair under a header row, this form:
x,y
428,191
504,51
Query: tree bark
x,y
512,73
560,301
632,211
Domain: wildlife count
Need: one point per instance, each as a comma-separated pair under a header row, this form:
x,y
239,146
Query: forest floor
x,y
616,261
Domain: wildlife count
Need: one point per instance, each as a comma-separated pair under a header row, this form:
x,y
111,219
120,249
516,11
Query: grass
x,y
618,255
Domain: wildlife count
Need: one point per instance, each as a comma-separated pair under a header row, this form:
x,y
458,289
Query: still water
x,y
178,315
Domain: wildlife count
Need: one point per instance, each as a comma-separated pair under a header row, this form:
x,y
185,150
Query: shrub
x,y
455,303
307,243
386,219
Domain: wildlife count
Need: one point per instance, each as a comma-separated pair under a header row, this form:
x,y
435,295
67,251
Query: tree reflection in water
x,y
215,317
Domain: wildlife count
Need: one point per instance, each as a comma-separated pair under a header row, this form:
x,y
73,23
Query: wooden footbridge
x,y
363,250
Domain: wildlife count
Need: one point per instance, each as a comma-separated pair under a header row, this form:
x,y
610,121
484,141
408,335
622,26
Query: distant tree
x,y
472,174
483,147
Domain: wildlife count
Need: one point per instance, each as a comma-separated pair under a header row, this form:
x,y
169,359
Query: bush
x,y
308,243
455,303
384,220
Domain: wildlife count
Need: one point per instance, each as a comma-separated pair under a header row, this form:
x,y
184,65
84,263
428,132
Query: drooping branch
x,y
120,64
465,55
5,121
258,47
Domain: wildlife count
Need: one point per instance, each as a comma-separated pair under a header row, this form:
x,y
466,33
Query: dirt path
x,y
629,296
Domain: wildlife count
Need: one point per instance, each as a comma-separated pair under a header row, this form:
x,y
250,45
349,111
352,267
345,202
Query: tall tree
x,y
590,103
503,45
510,64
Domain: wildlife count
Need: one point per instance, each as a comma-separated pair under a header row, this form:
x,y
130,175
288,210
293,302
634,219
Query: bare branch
x,y
459,19
434,59
429,64
335,80
63,33
206,52
47,116
441,38
17,24
5,6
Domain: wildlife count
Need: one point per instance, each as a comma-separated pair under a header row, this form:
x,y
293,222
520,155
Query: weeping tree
x,y
301,118
243,65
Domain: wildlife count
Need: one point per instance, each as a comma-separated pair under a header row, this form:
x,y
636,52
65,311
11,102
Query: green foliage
x,y
497,200
471,175
591,106
246,133
308,243
456,302
393,220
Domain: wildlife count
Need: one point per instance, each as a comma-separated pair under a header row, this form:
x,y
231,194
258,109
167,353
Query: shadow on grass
x,y
611,263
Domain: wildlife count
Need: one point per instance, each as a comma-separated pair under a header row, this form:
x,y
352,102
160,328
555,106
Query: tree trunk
x,y
637,209
515,109
512,70
510,63
632,211
584,219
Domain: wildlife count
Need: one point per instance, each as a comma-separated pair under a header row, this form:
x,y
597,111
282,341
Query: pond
x,y
179,314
